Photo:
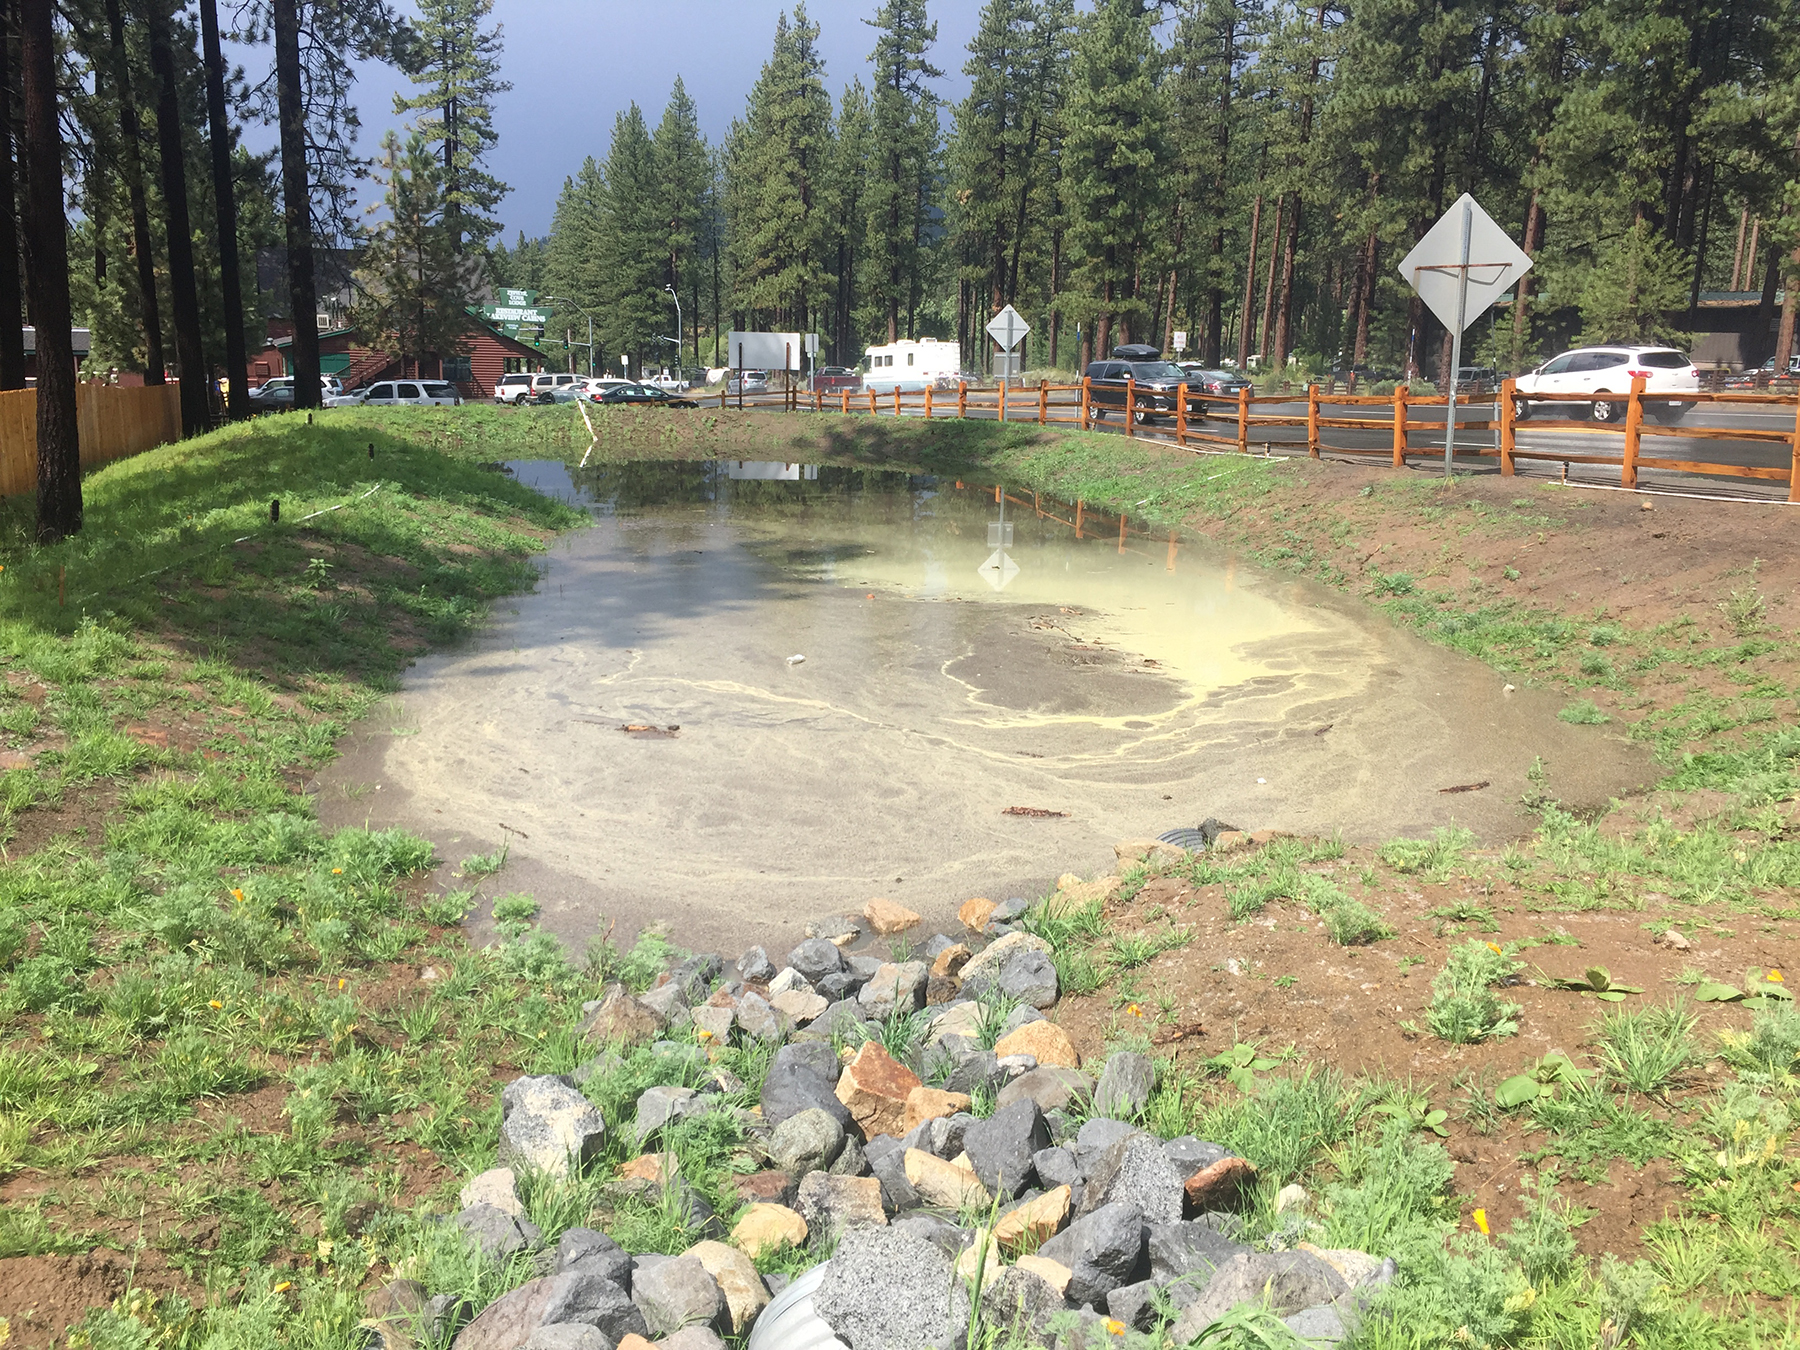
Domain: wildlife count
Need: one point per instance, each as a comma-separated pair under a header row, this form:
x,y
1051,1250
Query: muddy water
x,y
990,694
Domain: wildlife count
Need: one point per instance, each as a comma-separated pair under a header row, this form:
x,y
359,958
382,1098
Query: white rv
x,y
912,366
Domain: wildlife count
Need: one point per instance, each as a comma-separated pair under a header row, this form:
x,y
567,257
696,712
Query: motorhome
x,y
912,366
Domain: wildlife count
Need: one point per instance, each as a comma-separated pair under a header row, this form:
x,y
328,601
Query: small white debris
x,y
795,659
1506,688
1262,780
1291,1196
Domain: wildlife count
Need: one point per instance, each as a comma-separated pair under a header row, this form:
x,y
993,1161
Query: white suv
x,y
388,393
522,388
1610,370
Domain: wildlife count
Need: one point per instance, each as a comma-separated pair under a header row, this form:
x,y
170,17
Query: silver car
x,y
389,393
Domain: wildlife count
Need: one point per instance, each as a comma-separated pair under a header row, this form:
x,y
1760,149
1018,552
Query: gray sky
x,y
575,64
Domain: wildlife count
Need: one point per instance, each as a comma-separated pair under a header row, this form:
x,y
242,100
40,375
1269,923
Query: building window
x,y
458,370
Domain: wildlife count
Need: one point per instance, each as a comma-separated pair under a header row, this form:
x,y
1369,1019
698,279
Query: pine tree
x,y
897,203
458,67
574,263
683,168
633,245
849,178
415,293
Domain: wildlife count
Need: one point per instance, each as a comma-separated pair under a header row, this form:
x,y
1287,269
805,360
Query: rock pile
x,y
1078,1223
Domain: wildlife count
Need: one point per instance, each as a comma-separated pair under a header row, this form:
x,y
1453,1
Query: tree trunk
x,y
184,298
1244,324
1534,238
1268,309
1284,314
12,339
47,238
1784,340
237,360
1359,354
1765,309
296,198
1737,259
131,143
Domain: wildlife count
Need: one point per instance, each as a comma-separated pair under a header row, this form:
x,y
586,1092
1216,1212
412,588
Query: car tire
x,y
1670,413
1605,410
1144,419
1521,409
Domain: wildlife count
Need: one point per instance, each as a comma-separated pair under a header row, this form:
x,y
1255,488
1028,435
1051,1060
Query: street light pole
x,y
679,331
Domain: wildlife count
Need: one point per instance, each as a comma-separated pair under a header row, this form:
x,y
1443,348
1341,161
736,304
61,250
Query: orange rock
x,y
1039,1219
874,1089
633,1341
1053,1273
924,1103
661,1168
976,913
763,1226
886,917
1044,1041
948,1184
1219,1186
951,960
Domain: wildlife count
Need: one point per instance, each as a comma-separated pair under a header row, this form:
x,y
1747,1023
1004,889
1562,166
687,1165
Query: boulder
x,y
974,914
950,961
568,1297
755,967
1318,1328
397,1315
808,1142
1056,1166
838,1204
1355,1266
945,1184
887,917
841,985
745,1294
497,1187
697,975
714,1022
927,1103
1125,1084
1053,1273
942,989
1133,1304
1000,1148
789,981
892,1290
1032,982
1051,1088
773,1187
1045,1042
497,1233
816,958
840,930
668,1001
658,1169
1101,1250
1137,1172
1021,1303
1288,1281
659,1106
894,988
1073,893
1095,1136
957,1019
1224,1184
759,1019
802,1075
850,1162
1189,1252
619,1018
1191,1155
548,1126
762,1227
799,1006
889,1166
676,1293
874,1089
949,1134
591,1250
568,1336
1035,1221
977,1070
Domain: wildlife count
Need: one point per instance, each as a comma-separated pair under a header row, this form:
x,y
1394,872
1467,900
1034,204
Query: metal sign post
x,y
1466,257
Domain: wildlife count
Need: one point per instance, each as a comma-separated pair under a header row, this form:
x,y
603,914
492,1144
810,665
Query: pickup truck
x,y
834,379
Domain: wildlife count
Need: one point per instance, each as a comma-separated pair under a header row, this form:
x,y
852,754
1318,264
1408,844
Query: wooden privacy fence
x,y
1229,420
112,421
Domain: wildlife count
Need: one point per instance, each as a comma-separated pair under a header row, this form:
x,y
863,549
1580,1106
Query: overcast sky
x,y
575,64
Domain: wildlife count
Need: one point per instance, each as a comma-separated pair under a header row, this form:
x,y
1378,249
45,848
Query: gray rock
x,y
802,1076
568,1336
815,959
1095,1137
842,1018
1010,1067
789,981
668,1001
1125,1085
677,1293
838,1204
1020,1304
696,976
1022,1016
949,1134
775,1282
760,1020
1137,1171
716,1020
850,1160
1133,1304
894,989
863,966
1189,1253
1011,909
546,1125
936,945
807,1142
889,1289
692,1338
1056,1167
1191,1155
1025,973
1064,1127
1319,1326
839,986
1101,1248
755,965
659,1106
889,1167
1290,1281
937,1230
838,930
570,1297
595,1251
1000,1148
497,1233
1051,1088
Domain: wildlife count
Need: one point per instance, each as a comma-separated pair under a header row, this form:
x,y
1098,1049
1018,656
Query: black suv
x,y
1158,383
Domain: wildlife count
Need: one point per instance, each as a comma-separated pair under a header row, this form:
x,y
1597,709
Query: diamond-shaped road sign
x,y
1436,265
1008,328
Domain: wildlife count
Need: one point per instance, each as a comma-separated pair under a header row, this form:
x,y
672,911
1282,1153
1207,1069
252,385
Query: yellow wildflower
x,y
214,1003
1775,975
1134,1010
284,1286
337,871
1480,1217
1114,1327
237,895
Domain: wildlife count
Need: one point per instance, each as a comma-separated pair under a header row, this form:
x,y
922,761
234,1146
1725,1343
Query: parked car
x,y
1158,384
278,392
834,379
1604,371
1749,379
749,381
1476,379
350,398
426,393
1219,383
643,395
520,387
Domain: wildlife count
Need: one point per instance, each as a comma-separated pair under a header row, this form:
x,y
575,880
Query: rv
x,y
912,366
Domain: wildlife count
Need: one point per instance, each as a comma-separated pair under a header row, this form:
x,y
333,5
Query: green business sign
x,y
530,315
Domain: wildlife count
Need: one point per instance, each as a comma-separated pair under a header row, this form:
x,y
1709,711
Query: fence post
x,y
872,408
1312,420
962,398
1003,398
1399,426
722,389
1507,432
1794,467
1181,397
896,400
844,399
1244,420
1130,421
1634,430
1085,404
1043,401
927,403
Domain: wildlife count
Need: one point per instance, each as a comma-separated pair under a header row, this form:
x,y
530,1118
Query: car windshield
x,y
1157,370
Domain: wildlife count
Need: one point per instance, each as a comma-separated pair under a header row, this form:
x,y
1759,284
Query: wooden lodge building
x,y
488,355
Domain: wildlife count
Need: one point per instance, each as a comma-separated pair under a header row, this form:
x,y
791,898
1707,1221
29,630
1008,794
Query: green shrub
x,y
1464,1007
1353,924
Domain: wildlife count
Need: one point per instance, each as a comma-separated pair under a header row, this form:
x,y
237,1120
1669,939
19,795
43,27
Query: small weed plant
x,y
1464,1007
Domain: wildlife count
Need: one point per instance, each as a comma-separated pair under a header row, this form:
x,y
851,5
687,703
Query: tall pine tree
x,y
898,201
457,67
683,168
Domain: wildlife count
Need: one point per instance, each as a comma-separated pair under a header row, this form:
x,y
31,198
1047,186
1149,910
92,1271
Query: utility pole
x,y
678,332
